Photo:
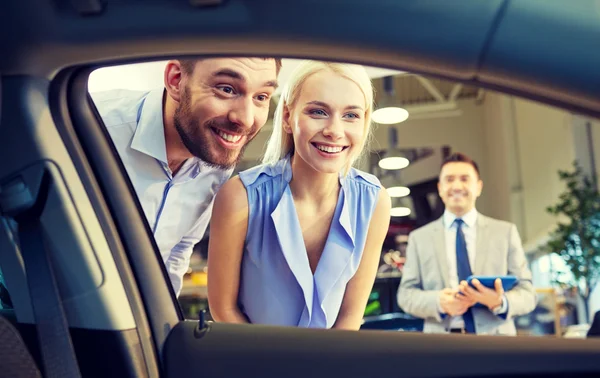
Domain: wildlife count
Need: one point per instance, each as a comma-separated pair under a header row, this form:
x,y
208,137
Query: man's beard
x,y
196,139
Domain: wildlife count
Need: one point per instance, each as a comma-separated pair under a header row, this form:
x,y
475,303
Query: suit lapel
x,y
439,245
481,241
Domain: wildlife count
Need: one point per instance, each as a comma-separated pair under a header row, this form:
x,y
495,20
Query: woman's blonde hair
x,y
280,143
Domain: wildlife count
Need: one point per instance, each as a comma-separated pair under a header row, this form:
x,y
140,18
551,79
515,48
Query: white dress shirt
x,y
470,232
469,229
177,208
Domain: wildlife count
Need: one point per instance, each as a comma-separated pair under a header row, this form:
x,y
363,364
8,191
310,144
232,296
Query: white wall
x,y
545,145
502,176
526,144
139,76
596,143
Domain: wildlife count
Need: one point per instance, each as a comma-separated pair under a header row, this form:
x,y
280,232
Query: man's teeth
x,y
330,149
229,137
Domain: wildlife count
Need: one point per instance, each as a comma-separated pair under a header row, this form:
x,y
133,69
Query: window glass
x,y
439,150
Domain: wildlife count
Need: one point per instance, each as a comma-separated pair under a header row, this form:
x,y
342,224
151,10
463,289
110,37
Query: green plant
x,y
577,236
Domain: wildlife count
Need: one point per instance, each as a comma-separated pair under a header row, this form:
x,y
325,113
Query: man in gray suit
x,y
442,254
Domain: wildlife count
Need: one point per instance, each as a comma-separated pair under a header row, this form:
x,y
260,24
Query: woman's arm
x,y
360,286
228,227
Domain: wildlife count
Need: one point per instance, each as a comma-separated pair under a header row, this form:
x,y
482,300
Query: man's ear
x,y
287,127
479,187
173,79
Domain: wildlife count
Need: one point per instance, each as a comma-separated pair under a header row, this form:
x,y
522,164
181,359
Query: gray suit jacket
x,y
498,252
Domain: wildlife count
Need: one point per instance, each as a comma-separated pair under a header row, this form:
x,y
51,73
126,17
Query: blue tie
x,y
463,269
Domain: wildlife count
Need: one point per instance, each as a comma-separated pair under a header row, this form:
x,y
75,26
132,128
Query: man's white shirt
x,y
178,208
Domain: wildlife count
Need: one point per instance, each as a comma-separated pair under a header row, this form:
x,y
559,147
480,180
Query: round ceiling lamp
x,y
398,191
395,162
390,115
400,211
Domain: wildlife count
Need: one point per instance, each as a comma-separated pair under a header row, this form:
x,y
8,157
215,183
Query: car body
x,y
52,142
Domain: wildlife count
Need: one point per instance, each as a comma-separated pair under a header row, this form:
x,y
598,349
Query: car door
x,y
97,226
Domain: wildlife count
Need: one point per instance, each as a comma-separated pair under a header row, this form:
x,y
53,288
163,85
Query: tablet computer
x,y
508,282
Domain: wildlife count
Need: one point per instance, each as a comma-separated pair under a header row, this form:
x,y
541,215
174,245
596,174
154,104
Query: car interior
x,y
83,289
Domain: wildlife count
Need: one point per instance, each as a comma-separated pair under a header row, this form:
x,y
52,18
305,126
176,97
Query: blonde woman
x,y
296,241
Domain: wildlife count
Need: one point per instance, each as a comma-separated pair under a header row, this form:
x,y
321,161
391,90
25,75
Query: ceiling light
x,y
393,163
400,211
390,115
398,191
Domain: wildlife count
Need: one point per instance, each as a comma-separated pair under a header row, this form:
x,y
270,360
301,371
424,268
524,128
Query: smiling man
x,y
180,143
441,255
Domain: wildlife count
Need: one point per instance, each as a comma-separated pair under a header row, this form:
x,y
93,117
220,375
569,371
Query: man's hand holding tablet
x,y
486,291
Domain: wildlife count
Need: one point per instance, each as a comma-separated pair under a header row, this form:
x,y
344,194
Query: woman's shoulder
x,y
367,187
231,196
356,175
261,173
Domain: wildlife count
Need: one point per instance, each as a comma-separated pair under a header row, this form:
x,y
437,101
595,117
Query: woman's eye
x,y
352,115
318,112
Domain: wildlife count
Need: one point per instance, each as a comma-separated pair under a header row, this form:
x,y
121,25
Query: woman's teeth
x,y
329,149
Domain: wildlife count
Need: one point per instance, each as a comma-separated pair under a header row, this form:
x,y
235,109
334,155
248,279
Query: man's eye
x,y
262,98
226,89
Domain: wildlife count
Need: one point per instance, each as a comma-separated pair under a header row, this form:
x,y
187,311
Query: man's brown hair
x,y
187,65
458,157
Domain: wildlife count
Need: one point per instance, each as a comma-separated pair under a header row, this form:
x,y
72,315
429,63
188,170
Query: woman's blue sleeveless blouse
x,y
277,286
